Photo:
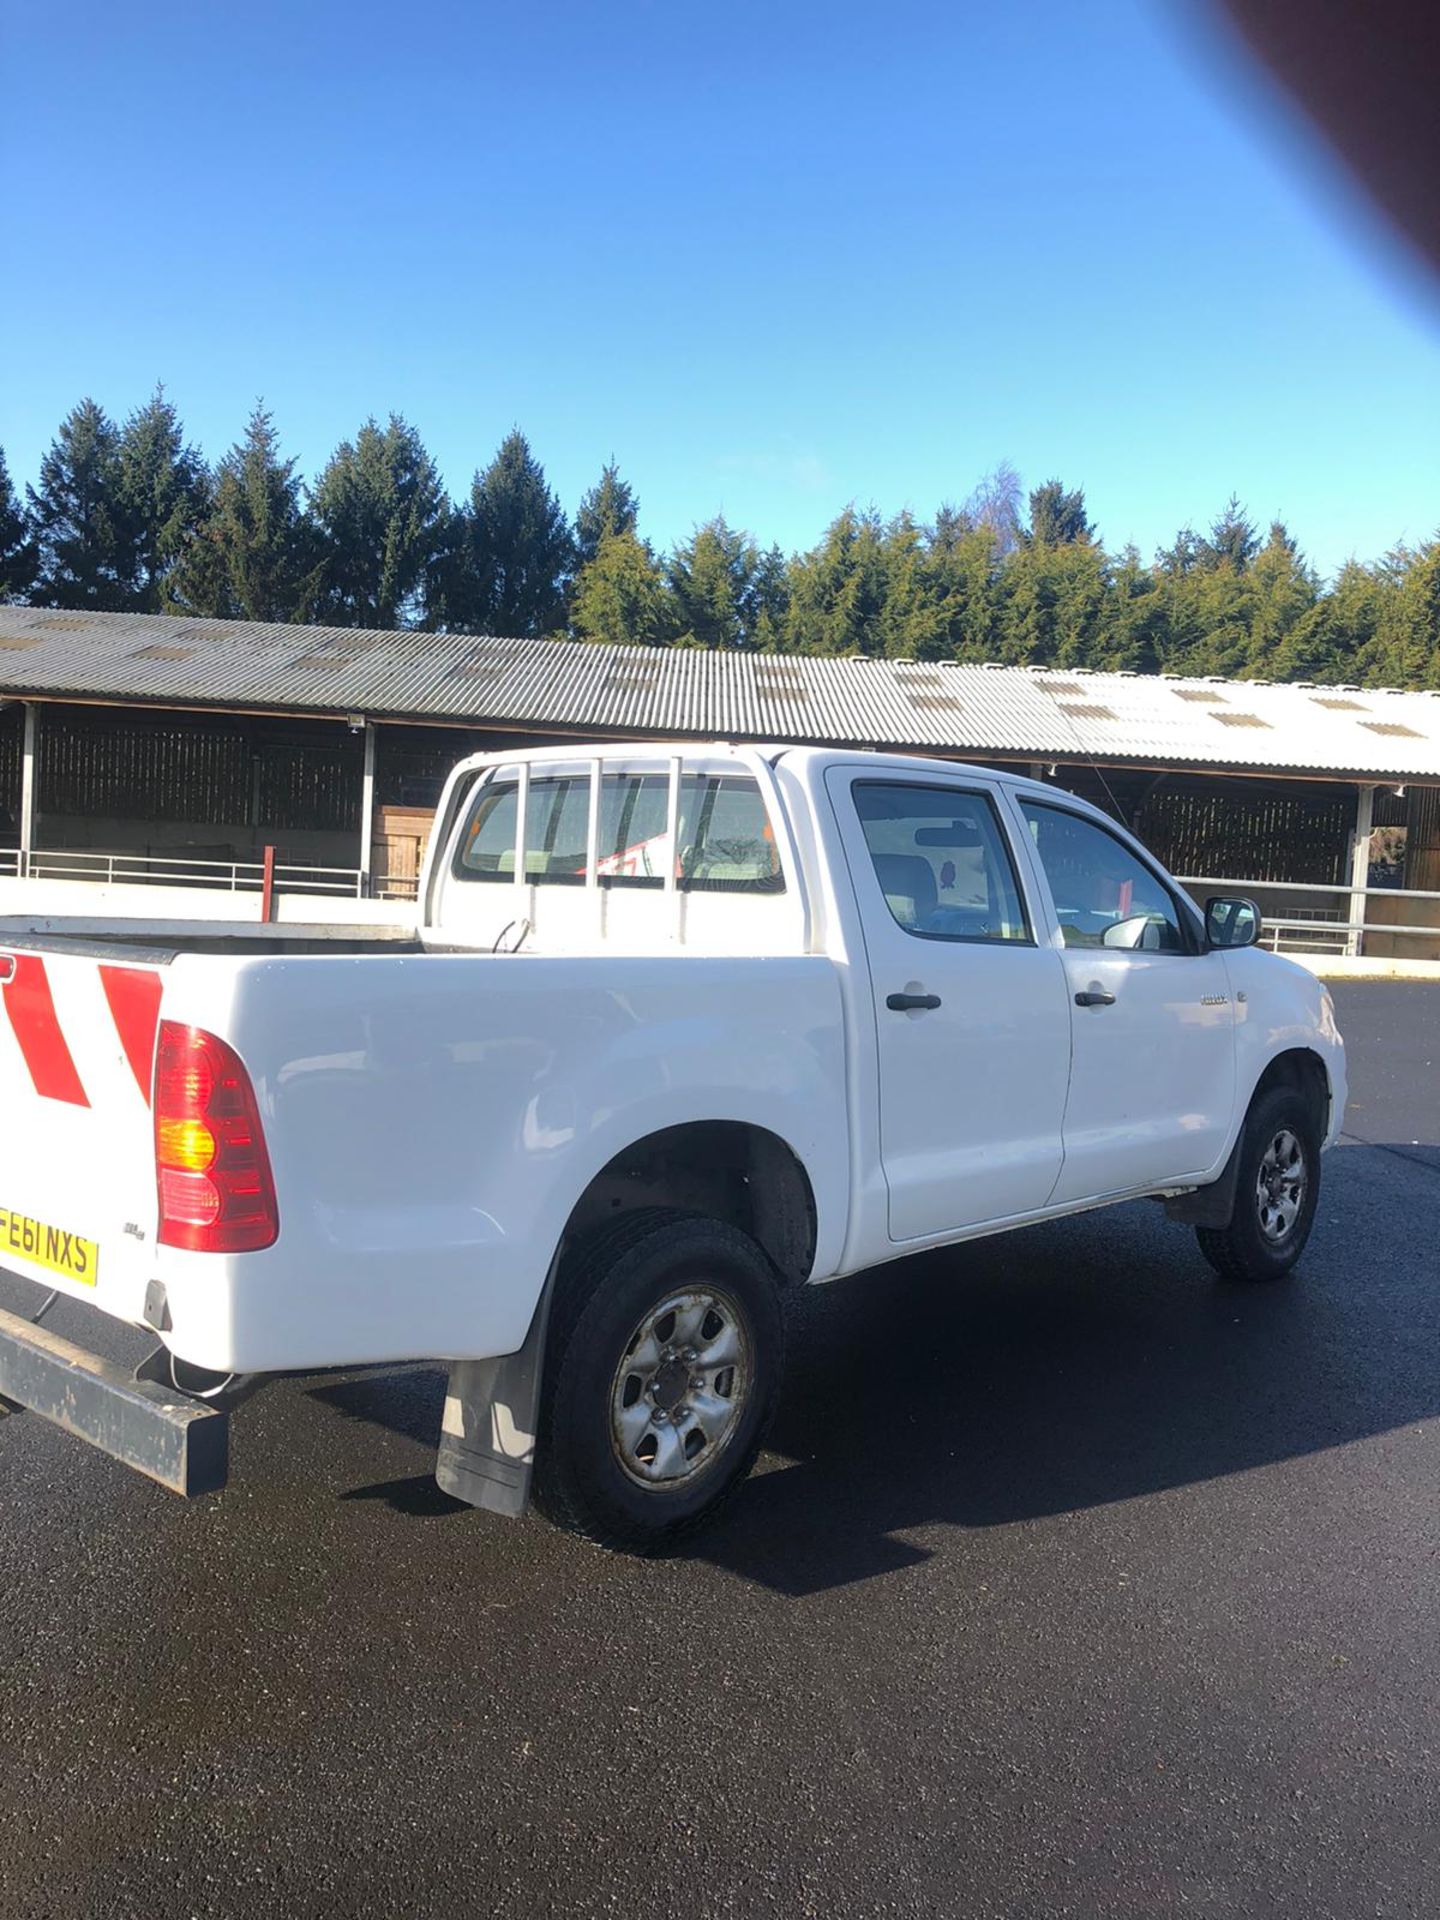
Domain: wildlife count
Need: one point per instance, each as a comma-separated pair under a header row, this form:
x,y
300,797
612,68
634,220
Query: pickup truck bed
x,y
144,945
413,1115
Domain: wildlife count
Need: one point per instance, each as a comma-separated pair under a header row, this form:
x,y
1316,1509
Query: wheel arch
x,y
731,1170
1303,1069
1299,1067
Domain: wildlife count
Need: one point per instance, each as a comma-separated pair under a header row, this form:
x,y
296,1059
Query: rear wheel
x,y
664,1361
1276,1190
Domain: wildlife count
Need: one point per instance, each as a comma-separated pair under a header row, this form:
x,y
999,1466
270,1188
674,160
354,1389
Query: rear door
x,y
972,1026
1152,1081
77,1178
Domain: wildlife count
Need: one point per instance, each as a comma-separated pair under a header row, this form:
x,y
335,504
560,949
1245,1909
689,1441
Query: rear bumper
x,y
182,1443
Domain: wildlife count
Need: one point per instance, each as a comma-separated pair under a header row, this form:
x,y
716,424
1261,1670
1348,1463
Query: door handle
x,y
1095,997
912,1002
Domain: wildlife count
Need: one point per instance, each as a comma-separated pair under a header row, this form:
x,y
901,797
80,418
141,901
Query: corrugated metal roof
x,y
571,687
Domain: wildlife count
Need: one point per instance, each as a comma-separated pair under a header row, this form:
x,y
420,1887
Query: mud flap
x,y
1212,1206
487,1435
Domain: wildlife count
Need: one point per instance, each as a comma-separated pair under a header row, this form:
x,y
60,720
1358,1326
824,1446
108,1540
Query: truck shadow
x,y
1046,1372
1075,1366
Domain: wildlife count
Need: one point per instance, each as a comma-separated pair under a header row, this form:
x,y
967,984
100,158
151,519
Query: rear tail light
x,y
217,1194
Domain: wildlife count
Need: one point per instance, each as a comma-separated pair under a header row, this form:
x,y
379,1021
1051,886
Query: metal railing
x,y
1297,930
1302,930
144,869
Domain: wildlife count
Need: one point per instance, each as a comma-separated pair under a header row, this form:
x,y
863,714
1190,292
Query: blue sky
x,y
772,257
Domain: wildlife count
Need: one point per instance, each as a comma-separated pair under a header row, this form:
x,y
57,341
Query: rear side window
x,y
942,862
724,844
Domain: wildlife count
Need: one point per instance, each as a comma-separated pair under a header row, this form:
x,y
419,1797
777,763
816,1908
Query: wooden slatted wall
x,y
12,731
207,771
1233,834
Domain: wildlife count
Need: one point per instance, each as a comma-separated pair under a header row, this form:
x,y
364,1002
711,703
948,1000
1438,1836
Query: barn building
x,y
139,749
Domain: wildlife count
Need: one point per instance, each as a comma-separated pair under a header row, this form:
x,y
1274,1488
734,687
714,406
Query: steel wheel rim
x,y
680,1391
1280,1185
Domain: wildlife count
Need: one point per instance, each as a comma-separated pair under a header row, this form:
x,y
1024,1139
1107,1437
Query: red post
x,y
267,887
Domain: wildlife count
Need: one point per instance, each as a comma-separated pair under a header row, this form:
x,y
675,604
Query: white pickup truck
x,y
680,1027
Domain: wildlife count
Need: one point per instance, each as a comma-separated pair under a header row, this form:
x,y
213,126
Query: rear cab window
x,y
724,841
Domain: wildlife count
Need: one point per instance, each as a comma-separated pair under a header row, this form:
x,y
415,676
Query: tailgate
x,y
78,1027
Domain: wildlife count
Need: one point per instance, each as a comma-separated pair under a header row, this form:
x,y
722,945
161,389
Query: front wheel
x,y
1277,1187
664,1362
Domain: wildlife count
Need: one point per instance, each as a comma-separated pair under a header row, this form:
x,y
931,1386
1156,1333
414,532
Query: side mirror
x,y
1231,921
1141,930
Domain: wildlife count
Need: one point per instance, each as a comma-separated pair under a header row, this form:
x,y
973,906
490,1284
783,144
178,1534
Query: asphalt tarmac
x,y
1074,1583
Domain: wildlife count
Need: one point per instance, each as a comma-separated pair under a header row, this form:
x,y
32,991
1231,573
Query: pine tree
x,y
610,507
766,600
1084,603
914,619
620,596
1179,558
1283,592
1405,651
19,550
381,512
702,577
837,590
1232,542
1331,641
1060,596
79,518
1136,629
1176,573
257,557
726,593
164,489
1057,518
1030,583
950,526
514,555
967,580
1221,612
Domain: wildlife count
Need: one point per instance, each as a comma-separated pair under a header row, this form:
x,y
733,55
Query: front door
x,y
972,1024
1152,1078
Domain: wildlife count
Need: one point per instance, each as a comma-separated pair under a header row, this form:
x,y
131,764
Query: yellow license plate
x,y
50,1247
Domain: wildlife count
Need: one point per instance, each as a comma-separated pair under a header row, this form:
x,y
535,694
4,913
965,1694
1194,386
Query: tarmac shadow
x,y
1047,1371
1076,1365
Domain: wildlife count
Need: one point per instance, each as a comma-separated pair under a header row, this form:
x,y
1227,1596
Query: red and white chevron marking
x,y
83,1007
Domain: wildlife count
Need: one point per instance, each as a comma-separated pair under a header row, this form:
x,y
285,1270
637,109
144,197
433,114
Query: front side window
x,y
1103,895
725,843
942,862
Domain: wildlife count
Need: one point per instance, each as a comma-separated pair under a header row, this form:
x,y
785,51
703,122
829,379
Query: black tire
x,y
1257,1245
589,1476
